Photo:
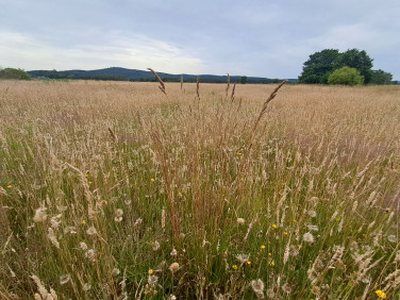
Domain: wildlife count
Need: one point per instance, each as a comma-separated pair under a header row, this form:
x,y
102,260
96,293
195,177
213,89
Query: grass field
x,y
115,191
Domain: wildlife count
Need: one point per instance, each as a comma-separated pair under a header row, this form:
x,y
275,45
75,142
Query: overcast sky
x,y
254,37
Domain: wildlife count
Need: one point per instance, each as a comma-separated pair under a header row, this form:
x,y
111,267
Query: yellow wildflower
x,y
274,226
380,294
271,263
152,179
262,247
83,222
249,262
235,267
286,233
151,271
9,186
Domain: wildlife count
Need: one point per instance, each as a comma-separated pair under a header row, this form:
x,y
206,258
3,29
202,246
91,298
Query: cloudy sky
x,y
253,38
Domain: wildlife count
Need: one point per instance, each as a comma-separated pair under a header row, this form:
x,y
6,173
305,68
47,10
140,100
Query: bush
x,y
346,76
11,73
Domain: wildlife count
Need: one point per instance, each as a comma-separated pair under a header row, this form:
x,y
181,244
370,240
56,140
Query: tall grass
x,y
114,191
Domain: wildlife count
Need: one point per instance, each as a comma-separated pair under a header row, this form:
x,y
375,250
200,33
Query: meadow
x,y
113,190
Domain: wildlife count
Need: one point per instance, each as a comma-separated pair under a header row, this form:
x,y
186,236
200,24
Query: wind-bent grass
x,y
163,208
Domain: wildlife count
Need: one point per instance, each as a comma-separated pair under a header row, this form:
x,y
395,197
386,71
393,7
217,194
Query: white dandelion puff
x,y
91,230
174,267
308,237
240,221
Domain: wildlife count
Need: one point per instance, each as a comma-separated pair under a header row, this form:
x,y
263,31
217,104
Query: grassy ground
x,y
115,191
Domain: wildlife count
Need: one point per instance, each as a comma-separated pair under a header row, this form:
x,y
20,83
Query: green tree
x,y
11,73
346,76
243,79
319,66
357,59
381,77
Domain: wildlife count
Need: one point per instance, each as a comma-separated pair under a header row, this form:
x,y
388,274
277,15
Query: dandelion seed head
x,y
118,219
240,221
119,212
115,272
91,230
152,280
174,267
90,254
83,246
174,252
308,237
156,246
257,285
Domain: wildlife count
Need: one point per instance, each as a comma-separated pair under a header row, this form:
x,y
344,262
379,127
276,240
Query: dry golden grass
x,y
112,190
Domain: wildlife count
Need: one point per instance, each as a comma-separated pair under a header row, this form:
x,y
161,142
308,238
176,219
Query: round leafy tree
x,y
346,76
11,73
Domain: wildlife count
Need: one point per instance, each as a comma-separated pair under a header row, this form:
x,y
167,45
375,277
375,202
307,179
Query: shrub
x,y
346,76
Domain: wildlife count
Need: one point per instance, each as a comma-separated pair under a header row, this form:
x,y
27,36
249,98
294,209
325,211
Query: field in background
x,y
111,190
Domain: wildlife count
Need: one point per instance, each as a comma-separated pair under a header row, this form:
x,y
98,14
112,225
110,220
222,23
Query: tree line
x,y
351,67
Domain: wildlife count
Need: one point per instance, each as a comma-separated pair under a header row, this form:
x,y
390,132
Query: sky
x,y
254,38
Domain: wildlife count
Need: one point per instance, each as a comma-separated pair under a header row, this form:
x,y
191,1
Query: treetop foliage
x,y
321,65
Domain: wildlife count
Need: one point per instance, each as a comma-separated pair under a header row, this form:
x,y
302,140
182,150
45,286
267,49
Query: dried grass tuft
x,y
162,85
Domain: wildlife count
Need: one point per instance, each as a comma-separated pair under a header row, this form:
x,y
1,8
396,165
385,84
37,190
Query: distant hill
x,y
123,74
